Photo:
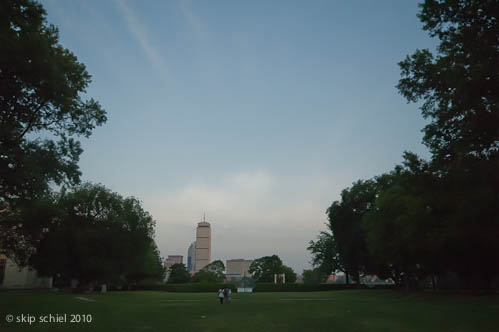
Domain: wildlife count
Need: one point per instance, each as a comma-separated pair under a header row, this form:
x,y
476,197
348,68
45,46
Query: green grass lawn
x,y
348,310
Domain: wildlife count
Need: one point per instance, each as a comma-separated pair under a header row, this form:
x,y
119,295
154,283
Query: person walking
x,y
221,295
229,295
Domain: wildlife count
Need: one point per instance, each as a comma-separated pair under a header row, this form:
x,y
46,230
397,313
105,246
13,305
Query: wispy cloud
x,y
194,21
207,56
139,33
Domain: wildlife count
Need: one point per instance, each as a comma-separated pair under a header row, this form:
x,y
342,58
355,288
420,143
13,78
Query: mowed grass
x,y
349,310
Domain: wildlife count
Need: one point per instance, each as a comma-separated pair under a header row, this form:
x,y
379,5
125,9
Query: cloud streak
x,y
194,21
139,33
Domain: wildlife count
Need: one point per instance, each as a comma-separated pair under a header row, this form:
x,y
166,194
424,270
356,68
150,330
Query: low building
x,y
13,276
237,268
171,260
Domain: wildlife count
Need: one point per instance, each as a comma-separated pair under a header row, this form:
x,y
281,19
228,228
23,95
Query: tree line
x,y
262,269
428,219
82,231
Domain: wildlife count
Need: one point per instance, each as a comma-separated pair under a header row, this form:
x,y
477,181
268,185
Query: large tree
x,y
426,218
405,237
345,223
313,277
98,236
289,274
264,268
207,277
42,86
458,87
213,273
178,274
148,266
325,255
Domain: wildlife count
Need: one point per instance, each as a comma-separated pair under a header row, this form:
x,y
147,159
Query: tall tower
x,y
203,245
191,257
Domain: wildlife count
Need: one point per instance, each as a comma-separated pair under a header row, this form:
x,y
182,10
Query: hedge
x,y
270,287
195,287
200,287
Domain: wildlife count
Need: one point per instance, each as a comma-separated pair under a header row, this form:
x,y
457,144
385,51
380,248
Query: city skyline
x,y
257,113
191,253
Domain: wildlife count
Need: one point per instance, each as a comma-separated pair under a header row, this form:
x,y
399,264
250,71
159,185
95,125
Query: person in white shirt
x,y
221,295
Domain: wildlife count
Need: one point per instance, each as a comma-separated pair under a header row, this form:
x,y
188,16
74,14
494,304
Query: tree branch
x,y
31,121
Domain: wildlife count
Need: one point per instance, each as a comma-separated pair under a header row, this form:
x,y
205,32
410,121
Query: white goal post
x,y
279,278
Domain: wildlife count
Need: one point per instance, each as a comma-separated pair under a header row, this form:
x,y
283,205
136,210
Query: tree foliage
x,y
178,274
97,235
325,254
458,85
404,236
290,275
313,277
41,88
207,276
429,218
345,223
216,266
264,268
213,273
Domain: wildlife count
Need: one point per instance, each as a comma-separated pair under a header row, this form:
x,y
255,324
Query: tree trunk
x,y
406,282
356,278
433,283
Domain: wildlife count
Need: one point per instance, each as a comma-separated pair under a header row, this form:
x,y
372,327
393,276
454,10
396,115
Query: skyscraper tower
x,y
191,257
203,245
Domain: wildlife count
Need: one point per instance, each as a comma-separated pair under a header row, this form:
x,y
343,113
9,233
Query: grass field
x,y
349,310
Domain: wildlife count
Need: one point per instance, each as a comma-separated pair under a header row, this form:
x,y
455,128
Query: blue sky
x,y
256,112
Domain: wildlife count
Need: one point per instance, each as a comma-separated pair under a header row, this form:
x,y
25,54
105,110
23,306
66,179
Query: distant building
x,y
237,268
191,257
203,245
333,278
173,259
13,276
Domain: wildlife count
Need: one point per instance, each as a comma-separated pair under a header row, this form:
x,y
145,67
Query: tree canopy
x,y
429,218
345,223
458,85
325,255
42,87
97,235
264,268
290,275
178,274
313,277
213,273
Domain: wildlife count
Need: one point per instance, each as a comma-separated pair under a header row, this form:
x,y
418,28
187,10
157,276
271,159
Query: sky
x,y
257,113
